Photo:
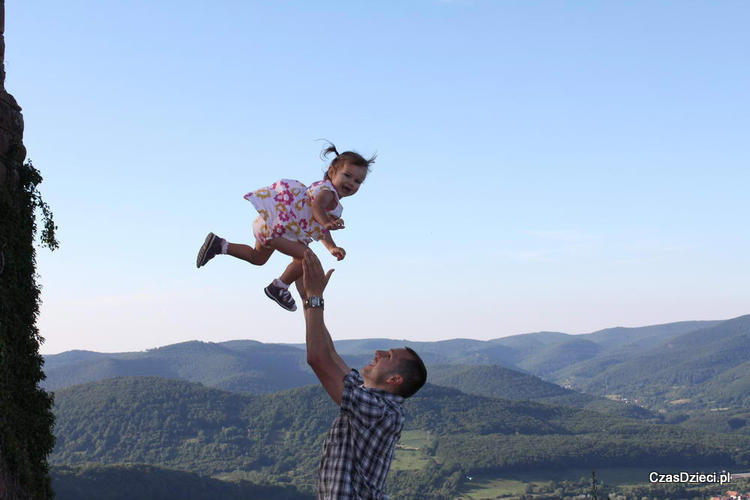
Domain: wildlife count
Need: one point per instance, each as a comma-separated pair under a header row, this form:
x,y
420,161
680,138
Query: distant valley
x,y
663,395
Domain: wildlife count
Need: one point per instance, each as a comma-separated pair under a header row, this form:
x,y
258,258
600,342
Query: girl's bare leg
x,y
294,249
258,255
293,272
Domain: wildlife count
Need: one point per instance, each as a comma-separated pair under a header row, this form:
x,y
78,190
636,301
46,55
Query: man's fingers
x,y
310,255
327,277
311,265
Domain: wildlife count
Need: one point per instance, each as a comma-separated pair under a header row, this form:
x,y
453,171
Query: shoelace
x,y
285,295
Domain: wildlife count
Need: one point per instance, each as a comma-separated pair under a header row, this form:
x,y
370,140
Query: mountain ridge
x,y
651,365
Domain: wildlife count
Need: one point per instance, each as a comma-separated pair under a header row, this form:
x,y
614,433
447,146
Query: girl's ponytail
x,y
330,149
351,157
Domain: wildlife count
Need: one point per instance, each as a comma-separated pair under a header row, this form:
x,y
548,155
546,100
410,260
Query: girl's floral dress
x,y
285,210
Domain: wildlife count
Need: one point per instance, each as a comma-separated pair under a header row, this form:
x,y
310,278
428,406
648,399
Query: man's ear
x,y
395,380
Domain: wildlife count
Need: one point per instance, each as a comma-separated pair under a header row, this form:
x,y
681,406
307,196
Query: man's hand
x,y
321,355
313,279
338,252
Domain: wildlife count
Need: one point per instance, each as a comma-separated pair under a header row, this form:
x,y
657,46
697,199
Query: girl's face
x,y
347,178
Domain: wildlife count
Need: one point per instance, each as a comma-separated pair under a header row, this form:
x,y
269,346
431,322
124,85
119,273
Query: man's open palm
x,y
313,279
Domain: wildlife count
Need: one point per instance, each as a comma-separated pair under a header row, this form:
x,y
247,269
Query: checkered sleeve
x,y
365,407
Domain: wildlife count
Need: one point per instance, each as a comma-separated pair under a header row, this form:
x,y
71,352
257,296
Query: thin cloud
x,y
562,235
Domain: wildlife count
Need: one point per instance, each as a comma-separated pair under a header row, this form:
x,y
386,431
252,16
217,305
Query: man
x,y
358,450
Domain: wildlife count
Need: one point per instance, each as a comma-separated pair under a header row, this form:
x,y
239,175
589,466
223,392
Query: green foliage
x,y
495,381
129,482
579,487
683,490
708,367
736,421
30,180
278,437
701,364
432,483
655,446
555,357
250,367
193,428
500,382
26,418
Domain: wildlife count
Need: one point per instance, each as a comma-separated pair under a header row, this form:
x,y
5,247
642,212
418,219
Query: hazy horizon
x,y
302,342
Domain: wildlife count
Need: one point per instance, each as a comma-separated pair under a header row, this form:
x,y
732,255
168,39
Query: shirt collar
x,y
388,395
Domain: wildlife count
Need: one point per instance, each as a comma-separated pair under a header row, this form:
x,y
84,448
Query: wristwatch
x,y
314,302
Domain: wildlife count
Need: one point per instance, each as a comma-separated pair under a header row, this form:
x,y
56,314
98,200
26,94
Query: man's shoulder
x,y
354,378
355,382
370,405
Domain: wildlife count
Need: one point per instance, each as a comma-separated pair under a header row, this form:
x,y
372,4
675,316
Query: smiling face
x,y
347,178
382,372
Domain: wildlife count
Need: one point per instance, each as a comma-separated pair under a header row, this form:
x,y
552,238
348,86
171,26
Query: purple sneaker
x,y
281,296
211,247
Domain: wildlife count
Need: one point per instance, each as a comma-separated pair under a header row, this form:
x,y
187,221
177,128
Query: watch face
x,y
315,301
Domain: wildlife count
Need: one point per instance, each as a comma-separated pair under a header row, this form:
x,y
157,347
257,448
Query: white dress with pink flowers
x,y
285,210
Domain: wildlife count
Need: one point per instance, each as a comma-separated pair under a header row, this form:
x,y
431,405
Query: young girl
x,y
291,216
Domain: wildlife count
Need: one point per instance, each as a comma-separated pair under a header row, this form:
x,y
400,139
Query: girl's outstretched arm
x,y
320,206
335,250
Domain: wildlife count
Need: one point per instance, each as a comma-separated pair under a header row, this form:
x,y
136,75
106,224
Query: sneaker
x,y
281,296
211,247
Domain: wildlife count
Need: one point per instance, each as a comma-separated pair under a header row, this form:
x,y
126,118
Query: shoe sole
x,y
270,296
201,260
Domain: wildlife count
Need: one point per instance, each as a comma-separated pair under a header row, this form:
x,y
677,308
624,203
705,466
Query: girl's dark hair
x,y
350,157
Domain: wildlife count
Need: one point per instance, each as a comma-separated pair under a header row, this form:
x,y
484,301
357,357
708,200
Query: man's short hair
x,y
414,373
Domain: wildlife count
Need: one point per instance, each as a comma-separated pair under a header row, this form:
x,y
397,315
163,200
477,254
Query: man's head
x,y
400,371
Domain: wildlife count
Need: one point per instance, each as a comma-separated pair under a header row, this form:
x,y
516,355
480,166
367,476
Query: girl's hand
x,y
338,252
334,224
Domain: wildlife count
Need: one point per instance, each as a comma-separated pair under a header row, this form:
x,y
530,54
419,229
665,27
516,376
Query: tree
x,y
594,493
25,409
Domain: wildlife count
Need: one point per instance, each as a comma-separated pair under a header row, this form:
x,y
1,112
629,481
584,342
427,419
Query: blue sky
x,y
565,166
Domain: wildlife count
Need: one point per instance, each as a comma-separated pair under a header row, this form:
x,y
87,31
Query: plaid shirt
x,y
358,450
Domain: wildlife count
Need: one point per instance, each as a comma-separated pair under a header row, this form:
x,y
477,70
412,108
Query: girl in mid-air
x,y
291,216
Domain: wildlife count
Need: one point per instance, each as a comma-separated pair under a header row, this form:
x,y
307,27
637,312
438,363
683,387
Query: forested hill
x,y
240,366
708,367
531,351
189,427
137,481
703,363
499,382
254,367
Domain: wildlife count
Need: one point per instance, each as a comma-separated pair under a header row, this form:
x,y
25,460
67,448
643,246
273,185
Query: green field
x,y
480,488
513,485
415,448
411,453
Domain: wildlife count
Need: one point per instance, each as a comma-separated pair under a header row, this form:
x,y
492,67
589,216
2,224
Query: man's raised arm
x,y
321,355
